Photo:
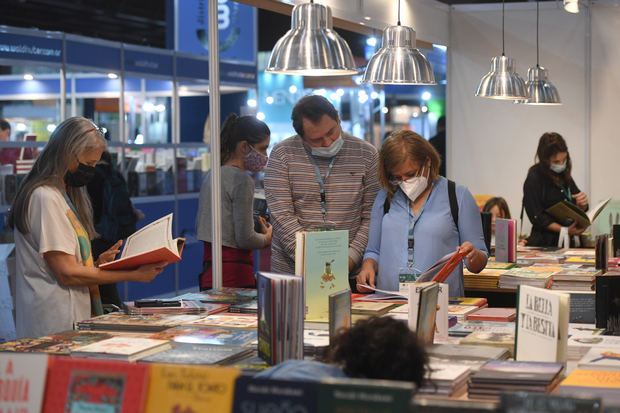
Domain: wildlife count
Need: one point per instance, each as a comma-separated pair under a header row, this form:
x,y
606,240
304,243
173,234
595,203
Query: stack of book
x,y
581,341
479,302
580,279
485,279
456,353
208,335
173,306
128,322
469,326
461,311
370,308
487,338
60,343
536,276
494,265
315,341
507,376
446,380
191,353
226,320
540,257
122,348
493,314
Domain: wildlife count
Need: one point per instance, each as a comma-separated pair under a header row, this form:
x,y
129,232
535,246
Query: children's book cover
x,y
22,382
326,270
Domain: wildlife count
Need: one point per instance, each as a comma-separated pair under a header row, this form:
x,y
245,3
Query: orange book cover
x,y
593,378
493,314
149,245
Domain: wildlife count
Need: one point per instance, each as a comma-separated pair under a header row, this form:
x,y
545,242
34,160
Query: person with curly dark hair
x,y
374,348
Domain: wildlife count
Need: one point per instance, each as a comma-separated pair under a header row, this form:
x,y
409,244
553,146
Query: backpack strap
x,y
386,206
454,206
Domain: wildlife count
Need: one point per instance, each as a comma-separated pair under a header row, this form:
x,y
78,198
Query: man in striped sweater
x,y
321,176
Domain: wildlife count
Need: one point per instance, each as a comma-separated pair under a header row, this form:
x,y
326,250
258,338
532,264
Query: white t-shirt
x,y
43,306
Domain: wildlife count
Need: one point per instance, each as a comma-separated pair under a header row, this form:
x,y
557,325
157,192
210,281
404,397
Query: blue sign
x,y
192,67
148,63
32,48
94,55
237,29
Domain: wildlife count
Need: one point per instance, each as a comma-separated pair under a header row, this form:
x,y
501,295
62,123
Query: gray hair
x,y
70,139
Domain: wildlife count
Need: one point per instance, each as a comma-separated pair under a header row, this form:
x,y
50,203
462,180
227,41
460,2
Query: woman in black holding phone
x,y
548,182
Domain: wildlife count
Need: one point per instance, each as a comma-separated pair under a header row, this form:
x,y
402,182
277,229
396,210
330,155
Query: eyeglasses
x,y
396,179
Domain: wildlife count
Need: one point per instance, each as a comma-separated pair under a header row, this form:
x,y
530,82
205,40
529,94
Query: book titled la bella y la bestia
x,y
149,245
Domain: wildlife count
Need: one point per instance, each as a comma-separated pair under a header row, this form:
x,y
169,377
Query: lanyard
x,y
567,193
321,181
412,221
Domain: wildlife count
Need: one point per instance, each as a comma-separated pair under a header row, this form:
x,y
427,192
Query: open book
x,y
149,245
566,213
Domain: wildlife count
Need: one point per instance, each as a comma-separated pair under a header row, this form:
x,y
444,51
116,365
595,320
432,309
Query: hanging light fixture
x,y
398,61
311,47
502,82
571,6
539,90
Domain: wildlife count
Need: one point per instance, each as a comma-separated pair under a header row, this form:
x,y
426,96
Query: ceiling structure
x,y
138,22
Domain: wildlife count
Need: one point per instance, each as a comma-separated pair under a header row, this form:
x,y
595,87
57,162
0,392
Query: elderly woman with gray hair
x,y
53,223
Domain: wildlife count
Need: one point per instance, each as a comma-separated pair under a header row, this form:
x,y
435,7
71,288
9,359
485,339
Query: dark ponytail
x,y
241,128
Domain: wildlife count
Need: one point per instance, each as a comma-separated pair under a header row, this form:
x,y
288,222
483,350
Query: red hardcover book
x,y
79,384
149,245
447,269
493,314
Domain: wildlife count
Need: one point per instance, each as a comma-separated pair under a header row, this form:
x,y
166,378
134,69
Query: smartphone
x,y
157,303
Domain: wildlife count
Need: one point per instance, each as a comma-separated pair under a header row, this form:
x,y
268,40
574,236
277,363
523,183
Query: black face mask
x,y
81,176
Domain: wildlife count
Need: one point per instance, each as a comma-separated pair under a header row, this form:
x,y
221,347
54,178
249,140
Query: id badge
x,y
404,279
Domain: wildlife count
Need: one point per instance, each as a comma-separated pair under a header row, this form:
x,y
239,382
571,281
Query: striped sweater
x,y
294,200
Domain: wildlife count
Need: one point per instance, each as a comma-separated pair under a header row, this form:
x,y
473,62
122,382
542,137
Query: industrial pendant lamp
x,y
540,91
571,6
398,61
311,47
502,82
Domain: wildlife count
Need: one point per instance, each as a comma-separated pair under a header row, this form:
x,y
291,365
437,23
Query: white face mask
x,y
414,186
328,151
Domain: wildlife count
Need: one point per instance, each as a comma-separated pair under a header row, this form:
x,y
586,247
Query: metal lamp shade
x,y
502,82
540,90
311,47
398,61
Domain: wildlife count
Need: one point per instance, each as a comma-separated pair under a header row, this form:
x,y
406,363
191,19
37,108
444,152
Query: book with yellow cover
x,y
183,388
601,384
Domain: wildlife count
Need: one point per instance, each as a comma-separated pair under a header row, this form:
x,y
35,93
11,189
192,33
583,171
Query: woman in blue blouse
x,y
412,225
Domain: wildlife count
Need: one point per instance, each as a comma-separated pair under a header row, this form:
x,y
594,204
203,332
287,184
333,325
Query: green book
x,y
364,396
322,258
566,213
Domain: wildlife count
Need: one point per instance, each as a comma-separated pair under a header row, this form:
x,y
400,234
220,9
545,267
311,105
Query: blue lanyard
x,y
412,221
321,181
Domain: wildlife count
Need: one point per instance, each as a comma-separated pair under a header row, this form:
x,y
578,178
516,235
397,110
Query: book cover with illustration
x,y
208,335
22,382
182,388
92,385
325,270
136,322
59,343
122,348
225,320
190,353
442,307
601,358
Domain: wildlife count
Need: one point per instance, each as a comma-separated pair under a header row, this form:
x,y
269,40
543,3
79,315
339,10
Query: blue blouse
x,y
435,234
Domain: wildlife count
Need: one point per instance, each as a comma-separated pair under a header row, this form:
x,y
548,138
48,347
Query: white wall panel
x,y
492,143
